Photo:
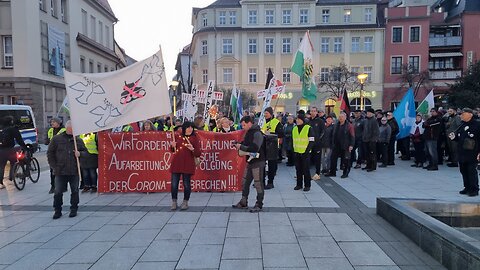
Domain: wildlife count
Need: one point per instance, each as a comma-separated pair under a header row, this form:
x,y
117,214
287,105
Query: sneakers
x,y
57,214
256,208
73,213
242,204
316,177
174,205
2,186
86,189
184,205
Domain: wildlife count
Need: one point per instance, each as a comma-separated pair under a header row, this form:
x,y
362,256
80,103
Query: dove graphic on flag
x,y
405,114
100,101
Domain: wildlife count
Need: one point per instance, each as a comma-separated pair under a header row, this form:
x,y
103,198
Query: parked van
x,y
24,119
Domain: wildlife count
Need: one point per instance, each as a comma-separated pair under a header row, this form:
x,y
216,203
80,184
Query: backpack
x,y
3,137
271,146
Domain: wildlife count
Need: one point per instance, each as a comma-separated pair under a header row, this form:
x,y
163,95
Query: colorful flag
x,y
405,114
345,104
268,100
427,104
234,103
103,101
303,67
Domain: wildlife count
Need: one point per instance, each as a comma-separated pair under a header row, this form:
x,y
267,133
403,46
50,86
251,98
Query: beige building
x,y
40,38
237,41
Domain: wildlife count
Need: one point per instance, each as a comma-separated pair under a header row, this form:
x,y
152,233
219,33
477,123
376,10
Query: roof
x,y
106,6
343,2
225,3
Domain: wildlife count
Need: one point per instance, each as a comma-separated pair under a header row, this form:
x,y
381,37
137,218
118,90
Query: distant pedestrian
x,y
358,124
416,134
392,122
343,141
89,162
148,126
370,137
383,141
288,141
452,124
327,144
318,125
432,132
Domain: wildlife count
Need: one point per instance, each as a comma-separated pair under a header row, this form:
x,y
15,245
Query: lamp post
x,y
174,88
362,78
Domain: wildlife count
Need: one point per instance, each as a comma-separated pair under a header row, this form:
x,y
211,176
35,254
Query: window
x,y
347,15
233,17
269,16
100,32
396,65
63,10
355,71
99,68
84,23
355,44
205,76
355,104
105,69
368,71
415,34
325,44
368,44
368,14
7,52
90,66
204,47
414,63
93,26
53,8
324,72
397,34
204,20
252,45
286,45
286,75
227,46
222,18
325,15
336,74
337,44
42,5
252,17
227,75
269,45
303,16
107,36
286,16
252,75
441,63
82,64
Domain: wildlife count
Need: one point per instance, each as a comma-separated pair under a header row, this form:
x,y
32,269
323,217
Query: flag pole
x,y
77,158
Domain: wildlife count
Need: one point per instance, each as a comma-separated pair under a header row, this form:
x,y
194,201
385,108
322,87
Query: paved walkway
x,y
334,226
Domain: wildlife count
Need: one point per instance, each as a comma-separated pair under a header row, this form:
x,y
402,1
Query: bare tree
x,y
338,79
413,78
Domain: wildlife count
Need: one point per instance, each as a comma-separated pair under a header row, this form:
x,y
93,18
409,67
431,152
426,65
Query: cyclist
x,y
9,134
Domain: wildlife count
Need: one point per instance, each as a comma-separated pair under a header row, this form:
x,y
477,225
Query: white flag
x,y
268,100
106,100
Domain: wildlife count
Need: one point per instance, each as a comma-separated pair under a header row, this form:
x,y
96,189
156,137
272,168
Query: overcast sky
x,y
145,24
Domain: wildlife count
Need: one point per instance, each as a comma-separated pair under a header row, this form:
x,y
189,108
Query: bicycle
x,y
26,166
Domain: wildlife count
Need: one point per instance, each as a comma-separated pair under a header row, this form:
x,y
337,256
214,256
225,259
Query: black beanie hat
x,y
270,110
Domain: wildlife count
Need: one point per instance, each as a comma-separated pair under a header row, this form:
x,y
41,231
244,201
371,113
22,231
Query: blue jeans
x,y
61,182
187,187
432,153
90,176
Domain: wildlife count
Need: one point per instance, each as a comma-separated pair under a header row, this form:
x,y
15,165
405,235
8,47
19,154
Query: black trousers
x,y
371,155
383,150
290,157
7,155
469,175
302,166
419,152
344,156
360,158
317,158
272,171
391,151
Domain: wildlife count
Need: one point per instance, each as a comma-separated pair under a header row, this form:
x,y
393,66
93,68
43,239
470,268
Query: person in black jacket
x,y
318,125
9,134
432,132
468,138
371,132
358,124
392,122
252,143
343,142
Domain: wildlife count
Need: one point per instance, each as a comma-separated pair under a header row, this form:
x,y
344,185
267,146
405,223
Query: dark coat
x,y
288,140
370,130
394,127
343,135
385,133
61,154
433,128
469,130
254,142
327,140
183,160
359,126
318,126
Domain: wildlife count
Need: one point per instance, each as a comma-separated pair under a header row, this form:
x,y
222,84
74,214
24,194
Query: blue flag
x,y
239,109
405,114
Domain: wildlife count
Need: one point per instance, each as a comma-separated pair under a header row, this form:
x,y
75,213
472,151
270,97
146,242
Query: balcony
x,y
445,41
445,74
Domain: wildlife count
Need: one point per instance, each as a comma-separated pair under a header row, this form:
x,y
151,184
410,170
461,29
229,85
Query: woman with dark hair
x,y
148,126
186,148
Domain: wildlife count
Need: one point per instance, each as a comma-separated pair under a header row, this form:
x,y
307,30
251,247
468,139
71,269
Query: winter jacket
x,y
359,126
394,127
327,140
10,135
385,133
183,160
370,130
61,154
254,143
288,141
343,135
433,128
318,126
468,131
453,122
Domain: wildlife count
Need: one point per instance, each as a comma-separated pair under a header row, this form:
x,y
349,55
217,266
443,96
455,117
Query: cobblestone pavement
x,y
333,226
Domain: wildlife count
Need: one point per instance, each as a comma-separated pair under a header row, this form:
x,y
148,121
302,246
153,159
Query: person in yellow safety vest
x,y
303,141
168,124
127,128
89,163
56,127
232,123
272,126
178,124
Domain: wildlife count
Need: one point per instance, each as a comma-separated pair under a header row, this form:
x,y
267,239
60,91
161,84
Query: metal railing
x,y
445,41
445,74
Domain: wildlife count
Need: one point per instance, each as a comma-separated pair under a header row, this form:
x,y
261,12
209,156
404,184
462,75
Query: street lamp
x,y
174,88
362,78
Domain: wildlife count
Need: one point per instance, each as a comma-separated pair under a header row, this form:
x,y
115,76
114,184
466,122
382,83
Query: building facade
x,y
40,38
236,42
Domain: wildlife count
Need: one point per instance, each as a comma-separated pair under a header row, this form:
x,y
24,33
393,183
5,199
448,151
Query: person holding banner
x,y
272,126
186,148
252,143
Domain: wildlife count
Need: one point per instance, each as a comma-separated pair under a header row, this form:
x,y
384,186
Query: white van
x,y
24,119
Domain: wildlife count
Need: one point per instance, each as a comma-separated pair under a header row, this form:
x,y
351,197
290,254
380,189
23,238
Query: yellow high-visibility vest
x,y
271,126
50,132
300,141
90,143
127,128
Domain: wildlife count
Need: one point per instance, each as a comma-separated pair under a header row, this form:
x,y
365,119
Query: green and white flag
x,y
427,104
65,107
234,102
303,67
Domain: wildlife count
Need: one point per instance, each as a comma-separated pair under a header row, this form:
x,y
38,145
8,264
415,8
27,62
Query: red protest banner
x,y
140,162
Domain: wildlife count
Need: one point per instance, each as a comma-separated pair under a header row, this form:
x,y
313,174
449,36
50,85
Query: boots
x,y
57,214
184,205
174,205
242,204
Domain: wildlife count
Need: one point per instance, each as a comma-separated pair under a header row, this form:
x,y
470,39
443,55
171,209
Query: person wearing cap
x,y
318,126
370,135
468,138
342,146
56,127
272,126
432,132
451,125
303,138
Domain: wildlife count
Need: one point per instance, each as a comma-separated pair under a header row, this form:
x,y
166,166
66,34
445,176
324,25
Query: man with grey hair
x,y
62,156
343,142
